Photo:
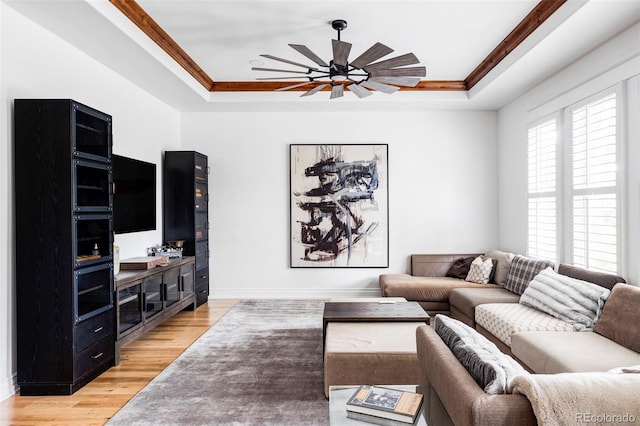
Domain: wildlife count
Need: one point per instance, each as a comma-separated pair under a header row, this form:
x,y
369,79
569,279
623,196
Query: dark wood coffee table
x,y
372,312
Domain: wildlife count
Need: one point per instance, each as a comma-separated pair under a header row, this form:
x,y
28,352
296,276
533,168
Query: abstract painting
x,y
339,206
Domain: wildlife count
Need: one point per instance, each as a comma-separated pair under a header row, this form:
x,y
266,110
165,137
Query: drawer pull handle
x,y
96,356
97,330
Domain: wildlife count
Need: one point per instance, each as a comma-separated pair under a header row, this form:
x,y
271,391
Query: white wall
x,y
442,198
36,64
615,62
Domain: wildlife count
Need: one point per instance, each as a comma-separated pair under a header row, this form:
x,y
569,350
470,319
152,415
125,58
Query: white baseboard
x,y
8,387
271,293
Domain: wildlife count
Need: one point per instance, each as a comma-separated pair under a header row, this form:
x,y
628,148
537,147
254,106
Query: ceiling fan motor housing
x,y
338,72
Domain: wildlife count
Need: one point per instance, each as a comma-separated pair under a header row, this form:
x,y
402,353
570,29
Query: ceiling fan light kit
x,y
360,76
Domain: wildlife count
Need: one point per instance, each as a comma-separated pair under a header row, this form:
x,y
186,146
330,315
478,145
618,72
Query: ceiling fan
x,y
359,76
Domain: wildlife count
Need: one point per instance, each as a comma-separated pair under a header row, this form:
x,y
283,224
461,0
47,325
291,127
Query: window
x,y
591,206
542,143
594,185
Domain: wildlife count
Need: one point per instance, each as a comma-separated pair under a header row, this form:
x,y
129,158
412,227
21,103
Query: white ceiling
x,y
225,38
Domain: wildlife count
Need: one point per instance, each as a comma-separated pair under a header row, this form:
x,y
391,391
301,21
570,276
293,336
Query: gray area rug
x,y
260,364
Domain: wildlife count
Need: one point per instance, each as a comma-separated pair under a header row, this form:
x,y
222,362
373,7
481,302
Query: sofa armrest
x,y
465,402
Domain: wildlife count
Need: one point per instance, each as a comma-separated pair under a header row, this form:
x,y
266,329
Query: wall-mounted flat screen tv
x,y
134,195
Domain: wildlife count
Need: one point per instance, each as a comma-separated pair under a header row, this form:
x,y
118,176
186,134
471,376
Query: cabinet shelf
x,y
127,299
90,290
88,128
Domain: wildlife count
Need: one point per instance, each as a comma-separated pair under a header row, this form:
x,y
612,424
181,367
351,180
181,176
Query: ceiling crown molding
x,y
136,14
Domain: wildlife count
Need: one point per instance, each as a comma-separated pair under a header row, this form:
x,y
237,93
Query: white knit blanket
x,y
574,301
582,398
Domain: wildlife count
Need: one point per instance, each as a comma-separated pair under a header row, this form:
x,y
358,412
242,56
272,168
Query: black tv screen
x,y
134,195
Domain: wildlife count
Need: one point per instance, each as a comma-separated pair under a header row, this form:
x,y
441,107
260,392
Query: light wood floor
x,y
140,361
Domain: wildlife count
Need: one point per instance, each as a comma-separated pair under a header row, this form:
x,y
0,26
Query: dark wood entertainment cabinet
x,y
64,245
185,195
146,298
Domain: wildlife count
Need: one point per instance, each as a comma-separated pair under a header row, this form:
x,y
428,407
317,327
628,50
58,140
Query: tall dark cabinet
x,y
64,244
186,211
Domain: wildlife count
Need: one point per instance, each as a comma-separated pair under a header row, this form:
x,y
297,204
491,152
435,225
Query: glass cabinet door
x,y
93,291
202,254
152,295
200,168
172,286
129,307
92,186
93,239
92,131
201,197
202,224
187,279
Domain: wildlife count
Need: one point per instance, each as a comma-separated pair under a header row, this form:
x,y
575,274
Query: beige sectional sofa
x,y
540,342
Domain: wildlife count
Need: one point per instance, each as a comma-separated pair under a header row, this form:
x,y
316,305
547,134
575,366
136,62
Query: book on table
x,y
386,403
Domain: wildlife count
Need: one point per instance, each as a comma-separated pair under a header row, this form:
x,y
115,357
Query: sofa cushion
x,y
504,260
522,271
575,301
550,352
465,300
620,319
489,367
600,278
433,289
504,319
460,268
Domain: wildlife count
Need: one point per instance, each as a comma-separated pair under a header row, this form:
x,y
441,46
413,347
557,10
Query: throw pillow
x,y
522,271
460,268
574,301
489,367
504,260
480,270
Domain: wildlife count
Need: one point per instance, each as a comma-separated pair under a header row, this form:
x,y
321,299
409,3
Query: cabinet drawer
x,y
202,278
94,356
93,329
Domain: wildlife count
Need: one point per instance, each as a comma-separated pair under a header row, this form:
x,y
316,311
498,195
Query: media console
x,y
148,297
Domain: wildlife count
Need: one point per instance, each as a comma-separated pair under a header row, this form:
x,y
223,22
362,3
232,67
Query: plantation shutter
x,y
542,195
594,185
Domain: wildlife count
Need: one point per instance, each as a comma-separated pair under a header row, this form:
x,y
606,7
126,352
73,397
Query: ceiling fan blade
x,y
398,61
286,61
337,91
374,53
315,89
278,70
341,51
380,87
309,80
309,54
400,81
360,92
293,86
400,72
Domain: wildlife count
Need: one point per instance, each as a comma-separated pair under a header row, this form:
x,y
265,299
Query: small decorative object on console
x,y
386,403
